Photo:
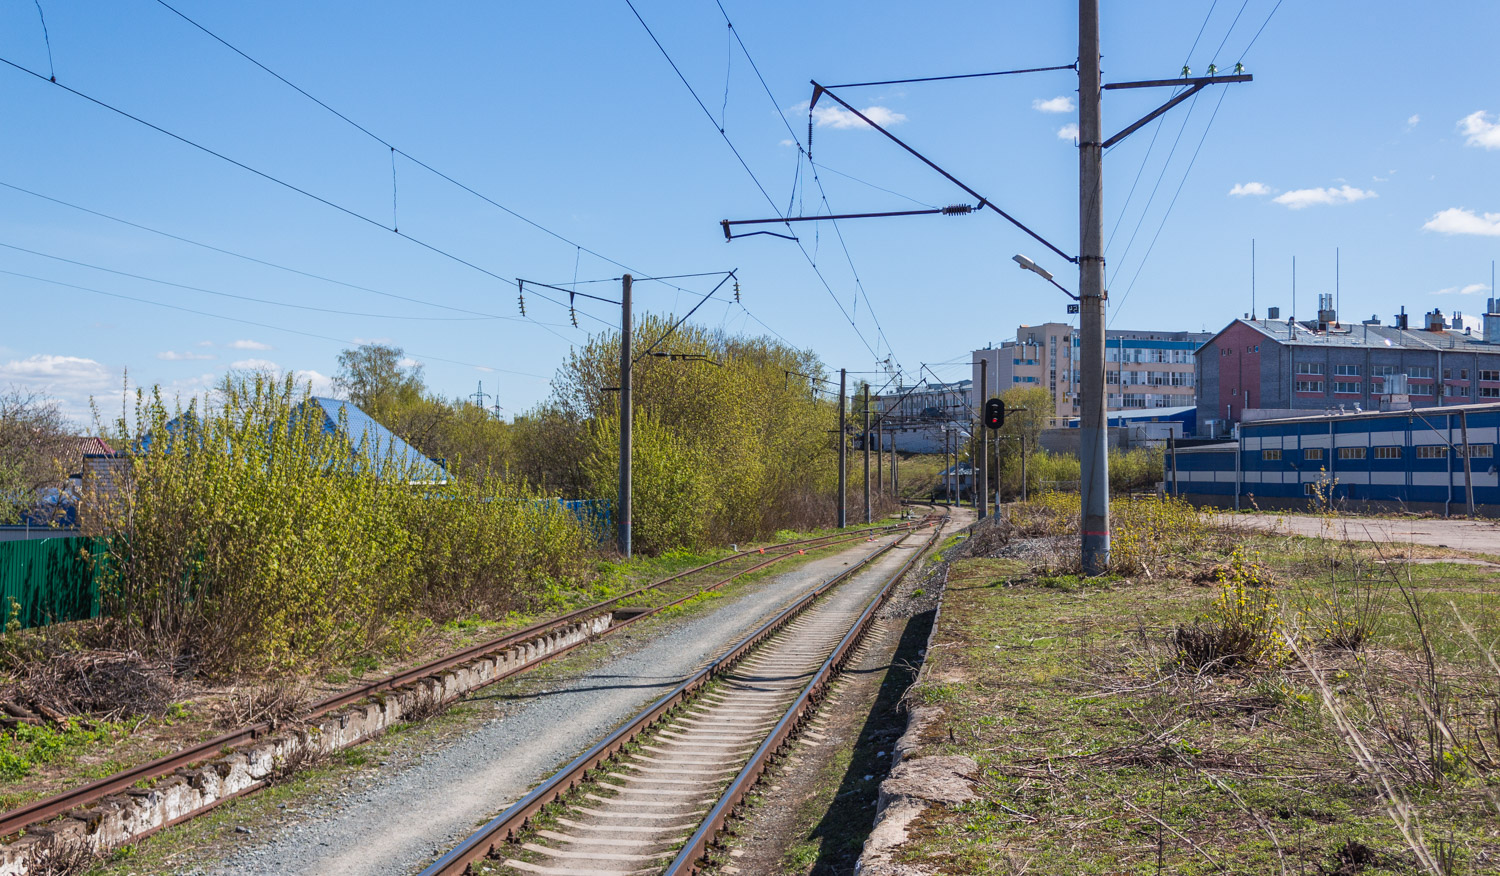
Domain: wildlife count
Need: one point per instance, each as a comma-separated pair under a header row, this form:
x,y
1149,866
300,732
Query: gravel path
x,y
403,820
1482,536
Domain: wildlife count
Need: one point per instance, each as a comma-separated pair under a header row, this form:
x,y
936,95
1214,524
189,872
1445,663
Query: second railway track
x,y
652,796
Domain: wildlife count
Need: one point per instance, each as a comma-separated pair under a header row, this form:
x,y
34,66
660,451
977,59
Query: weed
x,y
1244,627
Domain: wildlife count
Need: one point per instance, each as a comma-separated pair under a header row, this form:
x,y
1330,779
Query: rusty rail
x,y
514,819
58,804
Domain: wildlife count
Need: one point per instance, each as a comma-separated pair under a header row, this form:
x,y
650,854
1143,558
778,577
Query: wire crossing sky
x,y
321,175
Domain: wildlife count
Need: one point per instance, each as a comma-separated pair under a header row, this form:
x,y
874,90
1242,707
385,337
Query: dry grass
x,y
1356,731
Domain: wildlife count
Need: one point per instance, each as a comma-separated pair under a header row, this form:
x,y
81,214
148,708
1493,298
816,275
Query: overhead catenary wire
x,y
769,200
251,298
252,322
249,258
267,176
396,150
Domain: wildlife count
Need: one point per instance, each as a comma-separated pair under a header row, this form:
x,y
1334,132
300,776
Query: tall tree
x,y
379,379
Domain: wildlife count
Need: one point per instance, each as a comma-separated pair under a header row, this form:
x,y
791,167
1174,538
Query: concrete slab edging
x,y
914,783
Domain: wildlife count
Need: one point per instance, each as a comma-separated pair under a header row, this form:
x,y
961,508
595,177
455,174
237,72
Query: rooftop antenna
x,y
1337,297
1294,288
1252,279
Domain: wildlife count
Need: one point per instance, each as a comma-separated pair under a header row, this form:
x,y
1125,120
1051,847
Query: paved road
x,y
1481,536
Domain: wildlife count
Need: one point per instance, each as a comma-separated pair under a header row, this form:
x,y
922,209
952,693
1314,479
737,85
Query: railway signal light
x,y
994,413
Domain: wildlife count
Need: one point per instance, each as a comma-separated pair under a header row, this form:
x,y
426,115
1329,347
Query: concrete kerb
x,y
129,816
914,783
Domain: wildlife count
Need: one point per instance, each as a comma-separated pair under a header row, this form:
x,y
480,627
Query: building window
x,y
1346,370
1387,453
1309,367
1420,372
1312,453
1270,455
1424,389
1307,488
1432,451
1309,386
1489,375
1382,370
1450,391
1489,392
1476,451
1346,386
1351,453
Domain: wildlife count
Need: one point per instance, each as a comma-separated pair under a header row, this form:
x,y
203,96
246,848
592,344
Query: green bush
x,y
244,538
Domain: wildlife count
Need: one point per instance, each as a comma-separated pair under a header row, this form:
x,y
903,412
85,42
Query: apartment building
x,y
1143,369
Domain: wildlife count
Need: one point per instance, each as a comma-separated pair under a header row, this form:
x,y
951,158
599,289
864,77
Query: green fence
x,y
47,581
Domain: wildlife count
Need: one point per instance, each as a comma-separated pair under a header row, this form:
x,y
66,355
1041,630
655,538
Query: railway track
x,y
612,614
652,796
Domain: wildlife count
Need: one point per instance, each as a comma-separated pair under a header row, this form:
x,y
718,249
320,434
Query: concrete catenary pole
x,y
982,479
866,442
625,419
1093,436
880,454
843,453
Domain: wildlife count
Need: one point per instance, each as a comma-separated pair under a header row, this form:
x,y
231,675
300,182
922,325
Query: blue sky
x,y
1371,127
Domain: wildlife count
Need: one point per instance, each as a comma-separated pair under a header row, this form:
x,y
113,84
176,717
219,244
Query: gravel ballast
x,y
407,816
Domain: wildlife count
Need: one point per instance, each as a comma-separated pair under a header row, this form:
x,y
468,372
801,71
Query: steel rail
x,y
503,827
66,801
693,852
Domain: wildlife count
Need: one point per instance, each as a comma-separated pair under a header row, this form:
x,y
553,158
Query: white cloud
x,y
1480,130
205,343
1413,121
72,380
1059,104
1300,198
1068,132
409,362
1471,289
249,345
1250,188
1455,220
788,142
840,118
255,365
174,356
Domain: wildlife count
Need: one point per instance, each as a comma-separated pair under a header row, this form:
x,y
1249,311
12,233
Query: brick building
x,y
1273,367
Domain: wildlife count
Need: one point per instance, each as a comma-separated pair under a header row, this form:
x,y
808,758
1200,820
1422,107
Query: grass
x,y
1098,754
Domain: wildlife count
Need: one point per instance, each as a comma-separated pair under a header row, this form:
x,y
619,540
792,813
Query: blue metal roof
x,y
380,444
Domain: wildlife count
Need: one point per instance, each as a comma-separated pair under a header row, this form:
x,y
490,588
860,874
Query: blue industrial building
x,y
1424,459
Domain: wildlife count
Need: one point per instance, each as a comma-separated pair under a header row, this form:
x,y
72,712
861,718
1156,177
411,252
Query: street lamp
x,y
1029,265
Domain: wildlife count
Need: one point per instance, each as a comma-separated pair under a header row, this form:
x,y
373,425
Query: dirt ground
x,y
1478,536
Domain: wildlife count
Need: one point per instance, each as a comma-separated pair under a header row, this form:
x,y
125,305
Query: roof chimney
x,y
1275,312
1435,321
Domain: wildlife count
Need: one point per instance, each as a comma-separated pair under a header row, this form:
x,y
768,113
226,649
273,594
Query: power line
x,y
746,166
252,322
249,258
1170,205
1262,29
252,298
396,150
267,176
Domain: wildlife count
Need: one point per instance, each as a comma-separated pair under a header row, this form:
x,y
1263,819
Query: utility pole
x,y
843,453
880,454
982,479
625,419
868,518
1093,449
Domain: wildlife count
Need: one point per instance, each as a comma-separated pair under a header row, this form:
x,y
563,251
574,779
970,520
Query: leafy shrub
x,y
244,538
1244,627
1147,534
